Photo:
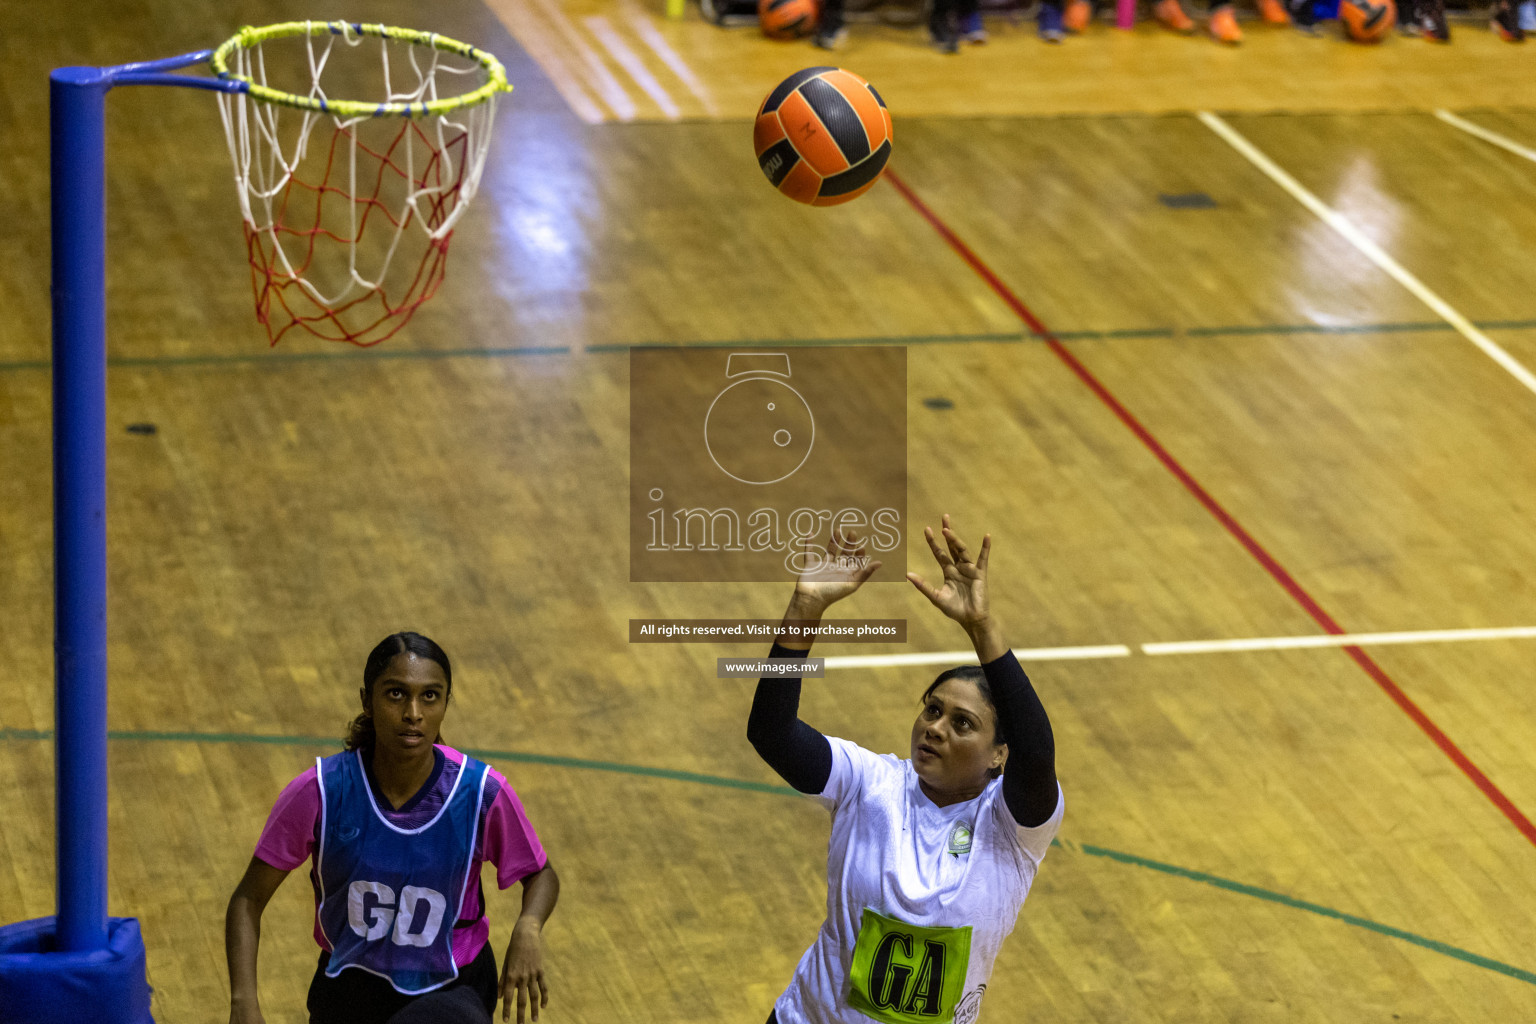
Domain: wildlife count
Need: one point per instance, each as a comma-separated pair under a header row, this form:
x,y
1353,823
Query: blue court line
x,y
331,743
270,358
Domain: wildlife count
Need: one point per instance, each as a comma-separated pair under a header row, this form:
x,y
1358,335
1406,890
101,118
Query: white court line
x,y
1503,142
1370,249
569,86
1283,643
630,61
602,81
641,23
951,657
536,40
1263,643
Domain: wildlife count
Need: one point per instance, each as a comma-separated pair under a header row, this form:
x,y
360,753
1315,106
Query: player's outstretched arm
x,y
1029,779
801,755
522,968
242,934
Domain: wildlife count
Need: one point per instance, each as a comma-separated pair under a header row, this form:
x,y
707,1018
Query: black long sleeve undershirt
x,y
1029,779
803,757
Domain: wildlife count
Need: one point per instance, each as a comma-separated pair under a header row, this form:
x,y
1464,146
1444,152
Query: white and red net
x,y
349,209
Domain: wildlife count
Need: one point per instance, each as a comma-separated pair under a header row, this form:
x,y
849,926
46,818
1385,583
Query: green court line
x,y
270,358
366,354
332,742
762,787
1295,904
888,340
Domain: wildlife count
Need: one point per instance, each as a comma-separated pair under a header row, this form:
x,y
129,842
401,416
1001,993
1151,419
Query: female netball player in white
x,y
397,826
930,858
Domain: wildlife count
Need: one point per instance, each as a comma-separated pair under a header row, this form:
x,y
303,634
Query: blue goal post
x,y
80,964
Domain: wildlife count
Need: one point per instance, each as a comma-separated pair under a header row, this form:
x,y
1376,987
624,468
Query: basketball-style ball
x,y
823,136
1367,21
787,19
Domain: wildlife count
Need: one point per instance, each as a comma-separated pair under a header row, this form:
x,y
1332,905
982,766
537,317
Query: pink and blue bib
x,y
389,896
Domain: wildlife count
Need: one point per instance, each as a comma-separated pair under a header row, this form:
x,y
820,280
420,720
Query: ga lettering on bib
x,y
906,974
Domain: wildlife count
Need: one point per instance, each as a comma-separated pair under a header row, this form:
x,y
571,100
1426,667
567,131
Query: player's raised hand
x,y
963,593
834,573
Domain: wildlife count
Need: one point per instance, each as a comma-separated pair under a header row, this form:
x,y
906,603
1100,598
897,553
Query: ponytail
x,y
360,734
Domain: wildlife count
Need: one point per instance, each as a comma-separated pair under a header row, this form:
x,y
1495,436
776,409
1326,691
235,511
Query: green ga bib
x,y
904,974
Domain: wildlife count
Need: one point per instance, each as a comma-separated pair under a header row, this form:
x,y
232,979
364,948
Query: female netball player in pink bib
x,y
930,858
396,827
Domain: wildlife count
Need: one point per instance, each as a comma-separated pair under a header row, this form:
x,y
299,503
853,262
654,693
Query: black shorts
x,y
357,997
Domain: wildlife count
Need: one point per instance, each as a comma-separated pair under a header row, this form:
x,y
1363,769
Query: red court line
x,y
1275,569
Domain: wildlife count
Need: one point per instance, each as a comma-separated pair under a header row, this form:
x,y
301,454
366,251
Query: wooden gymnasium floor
x,y
1280,440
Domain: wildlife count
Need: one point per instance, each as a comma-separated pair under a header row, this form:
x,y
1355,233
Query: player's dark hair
x,y
360,735
972,674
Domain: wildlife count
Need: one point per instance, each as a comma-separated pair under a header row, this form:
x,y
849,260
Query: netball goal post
x,y
348,208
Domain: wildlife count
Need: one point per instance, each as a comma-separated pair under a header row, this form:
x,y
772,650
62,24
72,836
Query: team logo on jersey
x,y
970,1006
960,838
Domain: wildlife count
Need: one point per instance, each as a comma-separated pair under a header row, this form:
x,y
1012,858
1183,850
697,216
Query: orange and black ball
x,y
823,136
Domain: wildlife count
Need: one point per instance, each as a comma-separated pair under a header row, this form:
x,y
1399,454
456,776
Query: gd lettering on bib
x,y
906,974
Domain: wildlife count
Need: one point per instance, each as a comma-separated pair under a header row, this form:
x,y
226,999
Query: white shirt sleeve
x,y
1033,841
852,768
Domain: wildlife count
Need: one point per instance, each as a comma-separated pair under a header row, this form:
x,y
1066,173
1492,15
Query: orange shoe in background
x,y
1223,26
1077,15
1172,16
1273,12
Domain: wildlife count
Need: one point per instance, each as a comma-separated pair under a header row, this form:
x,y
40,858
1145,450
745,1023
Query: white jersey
x,y
919,897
